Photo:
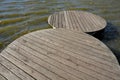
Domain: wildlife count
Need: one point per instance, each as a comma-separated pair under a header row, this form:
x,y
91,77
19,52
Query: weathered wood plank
x,y
36,65
49,60
8,74
13,68
24,67
2,77
58,73
68,43
76,61
58,54
78,20
95,61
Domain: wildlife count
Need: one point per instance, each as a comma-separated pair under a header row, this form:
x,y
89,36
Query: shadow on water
x,y
110,33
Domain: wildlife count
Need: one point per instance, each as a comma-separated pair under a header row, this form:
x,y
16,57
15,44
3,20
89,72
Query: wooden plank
x,y
47,44
74,60
56,21
63,67
78,23
83,41
68,43
23,66
84,22
69,16
70,52
89,39
50,68
88,22
2,77
36,40
104,47
66,20
73,65
36,66
20,73
8,74
54,46
58,54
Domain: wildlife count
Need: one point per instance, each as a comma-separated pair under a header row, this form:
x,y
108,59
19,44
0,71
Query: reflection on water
x,y
18,17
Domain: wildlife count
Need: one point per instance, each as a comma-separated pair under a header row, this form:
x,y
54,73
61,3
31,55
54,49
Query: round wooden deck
x,y
77,20
58,54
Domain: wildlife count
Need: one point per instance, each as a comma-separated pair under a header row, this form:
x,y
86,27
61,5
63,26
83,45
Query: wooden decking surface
x,y
77,20
58,54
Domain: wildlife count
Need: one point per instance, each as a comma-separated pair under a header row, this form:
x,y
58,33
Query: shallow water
x,y
18,17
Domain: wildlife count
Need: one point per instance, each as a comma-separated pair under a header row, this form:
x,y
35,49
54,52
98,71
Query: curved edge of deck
x,y
18,62
62,19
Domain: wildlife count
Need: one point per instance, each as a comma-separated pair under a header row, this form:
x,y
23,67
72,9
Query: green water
x,y
18,17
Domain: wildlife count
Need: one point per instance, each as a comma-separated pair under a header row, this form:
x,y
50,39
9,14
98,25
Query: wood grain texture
x,y
77,20
2,77
58,54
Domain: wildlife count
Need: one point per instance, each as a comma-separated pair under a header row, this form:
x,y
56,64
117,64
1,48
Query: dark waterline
x,y
18,17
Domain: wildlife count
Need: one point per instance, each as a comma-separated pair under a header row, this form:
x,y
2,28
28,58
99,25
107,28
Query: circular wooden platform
x,y
77,20
58,54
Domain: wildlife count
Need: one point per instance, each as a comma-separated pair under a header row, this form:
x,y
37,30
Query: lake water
x,y
18,17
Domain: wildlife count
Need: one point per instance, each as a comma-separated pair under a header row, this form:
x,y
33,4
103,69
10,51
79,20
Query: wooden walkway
x,y
77,20
58,54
